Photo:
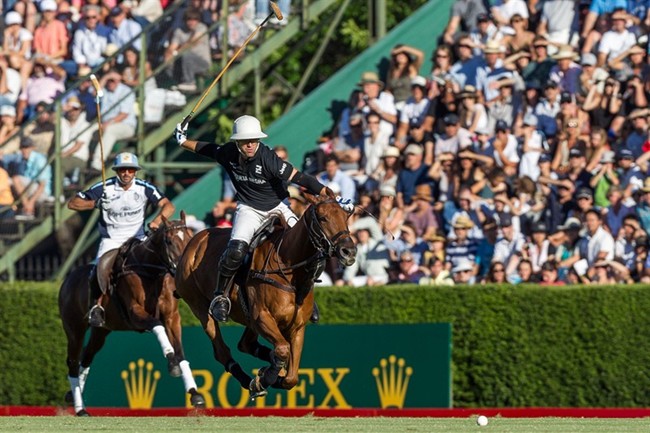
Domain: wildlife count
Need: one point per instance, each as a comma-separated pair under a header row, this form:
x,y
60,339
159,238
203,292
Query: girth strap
x,y
263,277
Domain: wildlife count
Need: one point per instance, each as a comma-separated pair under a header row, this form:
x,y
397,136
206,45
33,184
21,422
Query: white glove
x,y
103,203
181,134
345,203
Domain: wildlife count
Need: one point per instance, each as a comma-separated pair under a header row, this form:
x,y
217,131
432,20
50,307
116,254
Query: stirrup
x,y
220,308
96,316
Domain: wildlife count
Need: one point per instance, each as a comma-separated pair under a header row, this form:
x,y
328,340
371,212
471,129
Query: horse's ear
x,y
183,216
330,193
310,197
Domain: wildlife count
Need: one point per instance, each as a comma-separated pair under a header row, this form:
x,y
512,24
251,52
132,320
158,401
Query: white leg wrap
x,y
188,377
76,393
161,335
83,375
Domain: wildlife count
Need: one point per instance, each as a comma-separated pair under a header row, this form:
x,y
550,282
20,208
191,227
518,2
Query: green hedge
x,y
513,347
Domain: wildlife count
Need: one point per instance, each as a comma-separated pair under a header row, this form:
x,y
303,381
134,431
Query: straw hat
x,y
370,77
492,47
566,52
463,222
468,91
391,151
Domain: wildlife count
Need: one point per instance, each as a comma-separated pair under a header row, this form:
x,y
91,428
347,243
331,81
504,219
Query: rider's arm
x,y
193,145
167,209
86,200
308,181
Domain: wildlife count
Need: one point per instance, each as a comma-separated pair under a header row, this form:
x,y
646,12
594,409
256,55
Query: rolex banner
x,y
342,367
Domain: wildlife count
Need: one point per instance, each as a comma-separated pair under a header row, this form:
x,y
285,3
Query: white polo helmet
x,y
247,128
126,160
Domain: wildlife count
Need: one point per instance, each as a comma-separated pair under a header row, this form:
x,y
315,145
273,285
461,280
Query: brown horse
x,y
142,300
275,299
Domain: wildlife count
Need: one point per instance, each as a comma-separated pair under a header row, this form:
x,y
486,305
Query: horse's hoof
x,y
197,400
68,397
83,412
256,389
173,366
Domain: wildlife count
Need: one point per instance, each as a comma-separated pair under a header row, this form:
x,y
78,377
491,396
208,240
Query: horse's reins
x,y
169,265
317,238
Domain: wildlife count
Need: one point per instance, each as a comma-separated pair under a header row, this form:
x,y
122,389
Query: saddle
x,y
105,271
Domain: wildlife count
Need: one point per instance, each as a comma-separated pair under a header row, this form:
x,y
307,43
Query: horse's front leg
x,y
266,377
291,379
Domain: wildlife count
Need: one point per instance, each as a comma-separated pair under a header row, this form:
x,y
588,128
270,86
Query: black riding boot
x,y
228,265
220,305
315,314
96,316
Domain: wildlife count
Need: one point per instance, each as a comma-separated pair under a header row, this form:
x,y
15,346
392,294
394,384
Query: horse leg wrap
x,y
76,394
269,375
238,373
83,375
262,352
186,373
163,340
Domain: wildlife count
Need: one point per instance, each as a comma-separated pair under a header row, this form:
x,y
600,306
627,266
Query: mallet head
x,y
276,11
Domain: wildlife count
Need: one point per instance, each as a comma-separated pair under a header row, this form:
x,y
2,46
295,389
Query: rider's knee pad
x,y
234,255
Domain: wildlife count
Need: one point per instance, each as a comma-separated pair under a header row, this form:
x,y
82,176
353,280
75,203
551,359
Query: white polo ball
x,y
482,420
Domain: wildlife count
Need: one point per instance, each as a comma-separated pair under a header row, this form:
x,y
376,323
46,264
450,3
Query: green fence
x,y
513,346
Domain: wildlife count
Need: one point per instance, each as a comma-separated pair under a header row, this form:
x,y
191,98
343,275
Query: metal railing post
x,y
142,63
57,178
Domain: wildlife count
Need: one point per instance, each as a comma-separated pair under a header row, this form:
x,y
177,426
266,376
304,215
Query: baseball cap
x,y
451,119
584,192
575,152
463,265
501,125
625,154
550,83
116,11
390,151
505,220
533,84
48,5
539,227
419,81
572,223
387,191
13,17
545,157
26,142
415,149
566,97
588,59
608,157
482,17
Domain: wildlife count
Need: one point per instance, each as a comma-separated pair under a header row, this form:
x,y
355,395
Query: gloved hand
x,y
103,202
345,203
180,133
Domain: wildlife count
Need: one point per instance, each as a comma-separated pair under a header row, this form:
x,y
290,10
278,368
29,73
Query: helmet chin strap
x,y
257,146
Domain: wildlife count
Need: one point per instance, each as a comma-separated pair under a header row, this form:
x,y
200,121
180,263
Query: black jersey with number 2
x,y
260,181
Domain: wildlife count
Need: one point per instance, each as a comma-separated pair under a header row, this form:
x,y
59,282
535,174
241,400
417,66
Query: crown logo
x,y
140,384
392,380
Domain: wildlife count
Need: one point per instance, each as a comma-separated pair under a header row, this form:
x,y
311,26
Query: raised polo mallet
x,y
275,12
99,93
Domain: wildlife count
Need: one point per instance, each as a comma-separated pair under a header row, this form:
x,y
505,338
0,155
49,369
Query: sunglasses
x,y
499,270
92,17
464,46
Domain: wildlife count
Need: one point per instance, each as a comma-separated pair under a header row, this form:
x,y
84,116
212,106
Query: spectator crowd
x,y
520,157
49,47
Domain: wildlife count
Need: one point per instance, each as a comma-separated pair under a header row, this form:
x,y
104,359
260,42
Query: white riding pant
x,y
248,220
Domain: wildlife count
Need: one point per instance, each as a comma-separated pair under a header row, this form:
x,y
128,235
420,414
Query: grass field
x,y
69,424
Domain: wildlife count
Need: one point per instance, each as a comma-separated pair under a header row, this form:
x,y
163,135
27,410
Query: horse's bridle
x,y
169,264
317,236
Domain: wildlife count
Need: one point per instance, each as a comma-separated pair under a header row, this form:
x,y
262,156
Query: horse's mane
x,y
126,246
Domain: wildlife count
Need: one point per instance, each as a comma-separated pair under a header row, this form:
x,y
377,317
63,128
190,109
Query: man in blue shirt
x,y
31,177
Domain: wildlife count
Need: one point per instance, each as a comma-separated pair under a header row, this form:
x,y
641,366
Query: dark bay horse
x,y
142,300
277,298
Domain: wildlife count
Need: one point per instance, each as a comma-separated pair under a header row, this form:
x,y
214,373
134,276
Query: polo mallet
x,y
99,93
275,12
